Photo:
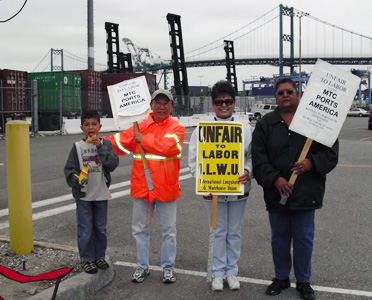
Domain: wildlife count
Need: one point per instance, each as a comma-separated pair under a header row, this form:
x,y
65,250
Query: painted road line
x,y
354,166
66,208
62,209
68,197
256,281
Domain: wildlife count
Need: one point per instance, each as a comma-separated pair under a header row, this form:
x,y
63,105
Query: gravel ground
x,y
44,258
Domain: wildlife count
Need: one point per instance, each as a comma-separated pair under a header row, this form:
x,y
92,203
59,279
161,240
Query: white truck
x,y
261,110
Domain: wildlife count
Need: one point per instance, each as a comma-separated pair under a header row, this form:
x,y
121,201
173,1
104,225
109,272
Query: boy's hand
x,y
96,141
83,181
83,177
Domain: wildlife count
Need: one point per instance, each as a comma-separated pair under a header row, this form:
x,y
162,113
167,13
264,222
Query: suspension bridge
x,y
282,37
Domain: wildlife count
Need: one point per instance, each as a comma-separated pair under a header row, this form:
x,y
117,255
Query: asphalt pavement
x,y
342,259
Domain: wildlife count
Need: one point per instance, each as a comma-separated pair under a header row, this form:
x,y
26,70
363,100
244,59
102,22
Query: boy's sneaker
x,y
233,282
168,275
217,283
89,267
140,274
102,264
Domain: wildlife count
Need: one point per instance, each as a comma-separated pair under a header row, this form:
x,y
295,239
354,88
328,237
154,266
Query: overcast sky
x,y
45,24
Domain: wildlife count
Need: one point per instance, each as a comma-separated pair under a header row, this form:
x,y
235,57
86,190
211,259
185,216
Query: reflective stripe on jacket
x,y
163,144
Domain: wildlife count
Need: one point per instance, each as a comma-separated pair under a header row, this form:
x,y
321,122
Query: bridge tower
x,y
53,66
230,64
178,65
286,11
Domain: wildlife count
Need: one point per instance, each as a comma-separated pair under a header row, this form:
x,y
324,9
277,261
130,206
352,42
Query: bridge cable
x,y
230,33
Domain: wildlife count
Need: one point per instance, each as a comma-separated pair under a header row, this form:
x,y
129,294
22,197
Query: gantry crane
x,y
145,61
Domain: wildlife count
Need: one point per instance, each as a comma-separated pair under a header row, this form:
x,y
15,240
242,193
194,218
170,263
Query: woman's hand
x,y
283,186
302,166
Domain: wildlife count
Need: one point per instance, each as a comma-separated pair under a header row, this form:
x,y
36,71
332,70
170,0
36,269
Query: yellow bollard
x,y
19,187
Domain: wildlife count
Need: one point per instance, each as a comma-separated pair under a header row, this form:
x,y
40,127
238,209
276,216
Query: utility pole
x,y
90,36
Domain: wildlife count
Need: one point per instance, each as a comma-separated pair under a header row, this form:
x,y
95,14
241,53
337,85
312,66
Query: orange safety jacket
x,y
162,143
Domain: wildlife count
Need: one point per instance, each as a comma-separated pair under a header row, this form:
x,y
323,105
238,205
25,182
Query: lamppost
x,y
369,85
300,14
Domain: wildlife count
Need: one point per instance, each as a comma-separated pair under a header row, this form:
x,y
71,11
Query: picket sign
x,y
323,107
130,104
130,101
220,159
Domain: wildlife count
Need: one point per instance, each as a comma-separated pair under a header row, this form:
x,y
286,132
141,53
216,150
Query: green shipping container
x,y
49,84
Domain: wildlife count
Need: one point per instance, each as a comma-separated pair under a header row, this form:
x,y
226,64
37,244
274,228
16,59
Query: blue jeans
x,y
227,240
141,222
91,229
296,226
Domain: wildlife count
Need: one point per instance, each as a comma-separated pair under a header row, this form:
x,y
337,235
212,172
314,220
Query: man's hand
x,y
138,137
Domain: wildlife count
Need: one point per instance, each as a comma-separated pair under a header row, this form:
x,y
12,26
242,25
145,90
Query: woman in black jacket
x,y
275,150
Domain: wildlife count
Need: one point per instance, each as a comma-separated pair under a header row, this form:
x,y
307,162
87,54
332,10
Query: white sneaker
x,y
233,282
217,283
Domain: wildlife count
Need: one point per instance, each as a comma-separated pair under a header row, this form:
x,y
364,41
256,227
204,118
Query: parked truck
x,y
261,110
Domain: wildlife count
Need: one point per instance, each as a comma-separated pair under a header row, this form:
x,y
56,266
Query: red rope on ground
x,y
13,275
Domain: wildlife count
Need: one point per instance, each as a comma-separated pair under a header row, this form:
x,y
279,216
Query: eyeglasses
x,y
166,104
288,91
220,102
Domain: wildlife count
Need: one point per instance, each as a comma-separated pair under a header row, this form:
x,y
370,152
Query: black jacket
x,y
275,149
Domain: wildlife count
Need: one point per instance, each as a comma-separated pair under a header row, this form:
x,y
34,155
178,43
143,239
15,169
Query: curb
x,y
79,286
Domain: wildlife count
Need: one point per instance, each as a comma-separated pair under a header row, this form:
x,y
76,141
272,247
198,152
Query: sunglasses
x,y
289,92
220,102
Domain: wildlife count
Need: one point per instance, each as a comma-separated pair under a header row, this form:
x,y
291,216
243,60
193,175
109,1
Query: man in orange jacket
x,y
161,138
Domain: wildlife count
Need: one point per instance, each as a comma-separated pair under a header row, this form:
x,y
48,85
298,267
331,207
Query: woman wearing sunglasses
x,y
275,150
230,209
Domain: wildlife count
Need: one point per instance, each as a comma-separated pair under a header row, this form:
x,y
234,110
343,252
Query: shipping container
x,y
262,91
91,90
50,97
14,96
199,91
114,78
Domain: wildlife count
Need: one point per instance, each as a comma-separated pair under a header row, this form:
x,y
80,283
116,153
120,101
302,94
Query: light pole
x,y
300,14
369,85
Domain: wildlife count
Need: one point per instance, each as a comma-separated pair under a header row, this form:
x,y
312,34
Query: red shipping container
x,y
14,97
114,78
91,90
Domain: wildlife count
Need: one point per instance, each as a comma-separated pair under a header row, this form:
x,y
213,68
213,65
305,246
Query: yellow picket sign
x,y
220,158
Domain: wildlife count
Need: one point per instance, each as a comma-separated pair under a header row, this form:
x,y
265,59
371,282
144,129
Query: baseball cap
x,y
162,92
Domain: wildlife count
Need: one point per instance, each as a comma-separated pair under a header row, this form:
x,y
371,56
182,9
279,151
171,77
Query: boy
x,y
87,172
